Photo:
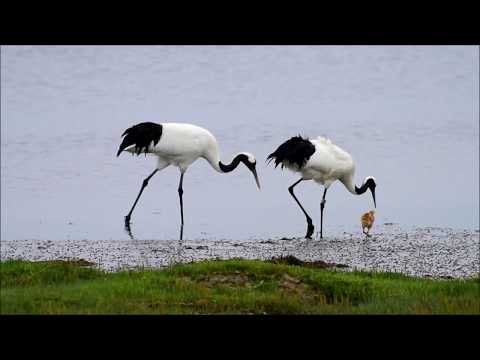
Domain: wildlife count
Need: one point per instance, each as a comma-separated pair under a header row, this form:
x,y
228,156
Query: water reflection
x,y
127,227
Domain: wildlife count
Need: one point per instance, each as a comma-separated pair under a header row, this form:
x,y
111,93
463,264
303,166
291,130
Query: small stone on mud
x,y
267,242
292,260
289,278
77,262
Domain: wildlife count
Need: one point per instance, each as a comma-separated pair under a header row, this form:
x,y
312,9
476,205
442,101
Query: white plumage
x,y
322,161
180,145
328,163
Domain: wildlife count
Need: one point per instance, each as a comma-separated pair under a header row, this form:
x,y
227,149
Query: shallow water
x,y
408,115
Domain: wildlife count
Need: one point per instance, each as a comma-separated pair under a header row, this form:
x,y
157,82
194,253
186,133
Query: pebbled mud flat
x,y
424,252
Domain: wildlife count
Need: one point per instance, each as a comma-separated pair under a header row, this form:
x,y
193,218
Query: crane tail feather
x,y
294,151
141,135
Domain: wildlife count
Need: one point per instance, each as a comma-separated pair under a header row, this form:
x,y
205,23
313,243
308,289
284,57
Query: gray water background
x,y
408,115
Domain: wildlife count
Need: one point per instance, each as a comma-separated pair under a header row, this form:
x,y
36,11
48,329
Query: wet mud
x,y
423,252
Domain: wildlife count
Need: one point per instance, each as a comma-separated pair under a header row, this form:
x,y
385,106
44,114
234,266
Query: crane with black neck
x,y
180,145
323,162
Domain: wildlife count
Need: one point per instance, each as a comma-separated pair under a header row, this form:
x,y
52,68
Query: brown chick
x,y
367,221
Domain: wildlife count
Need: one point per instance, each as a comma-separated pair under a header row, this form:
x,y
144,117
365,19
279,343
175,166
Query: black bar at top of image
x,y
306,34
240,37
279,24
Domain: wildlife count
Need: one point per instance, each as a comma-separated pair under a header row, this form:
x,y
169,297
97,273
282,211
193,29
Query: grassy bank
x,y
226,287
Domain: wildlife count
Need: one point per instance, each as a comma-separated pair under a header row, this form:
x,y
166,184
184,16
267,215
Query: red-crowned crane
x,y
322,161
179,145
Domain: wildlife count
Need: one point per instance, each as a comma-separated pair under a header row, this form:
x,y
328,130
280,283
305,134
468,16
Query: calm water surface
x,y
408,115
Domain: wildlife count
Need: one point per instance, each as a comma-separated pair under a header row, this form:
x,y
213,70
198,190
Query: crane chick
x,y
367,221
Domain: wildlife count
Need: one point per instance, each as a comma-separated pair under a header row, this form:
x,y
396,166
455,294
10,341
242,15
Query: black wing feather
x,y
294,151
141,135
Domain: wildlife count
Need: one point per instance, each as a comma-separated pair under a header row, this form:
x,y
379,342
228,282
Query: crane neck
x,y
352,188
246,158
214,160
369,183
360,190
348,182
232,166
213,157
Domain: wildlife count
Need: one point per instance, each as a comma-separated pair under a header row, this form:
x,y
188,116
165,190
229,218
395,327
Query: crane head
x,y
371,184
251,163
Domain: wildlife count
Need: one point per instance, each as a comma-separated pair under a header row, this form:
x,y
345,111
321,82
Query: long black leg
x,y
180,194
309,219
144,184
322,205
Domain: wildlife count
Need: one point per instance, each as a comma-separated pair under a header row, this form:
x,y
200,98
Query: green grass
x,y
226,287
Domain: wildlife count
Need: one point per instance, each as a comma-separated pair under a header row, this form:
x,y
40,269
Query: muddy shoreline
x,y
424,252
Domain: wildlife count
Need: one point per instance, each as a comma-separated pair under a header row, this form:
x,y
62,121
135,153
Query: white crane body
x,y
323,162
180,145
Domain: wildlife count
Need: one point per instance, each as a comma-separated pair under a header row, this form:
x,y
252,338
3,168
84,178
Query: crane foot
x,y
309,231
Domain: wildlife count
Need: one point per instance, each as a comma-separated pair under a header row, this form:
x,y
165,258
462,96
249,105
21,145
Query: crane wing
x,y
141,135
295,151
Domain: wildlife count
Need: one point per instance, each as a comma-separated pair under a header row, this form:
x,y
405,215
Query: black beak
x,y
373,194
